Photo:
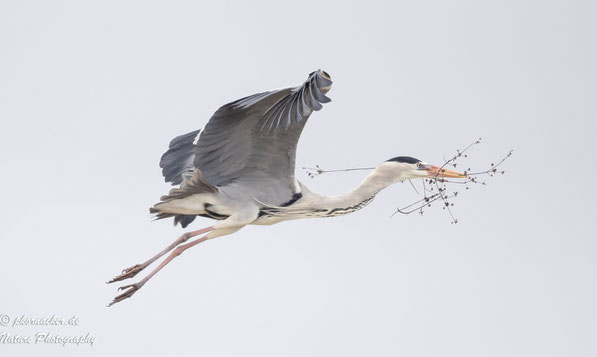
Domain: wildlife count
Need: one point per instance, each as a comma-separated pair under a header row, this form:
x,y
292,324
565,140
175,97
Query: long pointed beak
x,y
434,171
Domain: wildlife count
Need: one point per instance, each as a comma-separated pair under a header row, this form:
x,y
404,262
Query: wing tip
x,y
322,76
322,81
325,74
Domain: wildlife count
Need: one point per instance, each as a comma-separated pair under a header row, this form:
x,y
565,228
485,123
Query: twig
x,y
316,171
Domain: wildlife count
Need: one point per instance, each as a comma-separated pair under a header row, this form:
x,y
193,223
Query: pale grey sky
x,y
92,92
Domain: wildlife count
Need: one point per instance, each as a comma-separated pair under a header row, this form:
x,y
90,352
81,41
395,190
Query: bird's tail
x,y
183,219
170,203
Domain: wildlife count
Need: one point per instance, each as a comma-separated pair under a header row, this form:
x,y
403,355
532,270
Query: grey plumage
x,y
249,143
255,138
178,160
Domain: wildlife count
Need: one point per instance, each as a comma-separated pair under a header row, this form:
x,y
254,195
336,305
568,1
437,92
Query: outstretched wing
x,y
252,142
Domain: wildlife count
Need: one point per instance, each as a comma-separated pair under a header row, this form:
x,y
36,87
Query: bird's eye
x,y
419,165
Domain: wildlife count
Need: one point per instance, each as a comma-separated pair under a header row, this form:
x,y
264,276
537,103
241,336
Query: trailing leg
x,y
135,269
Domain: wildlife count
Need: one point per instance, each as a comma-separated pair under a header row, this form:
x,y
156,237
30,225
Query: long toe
x,y
127,273
132,288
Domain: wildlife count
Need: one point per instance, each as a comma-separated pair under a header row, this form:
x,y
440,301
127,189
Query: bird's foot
x,y
128,273
132,288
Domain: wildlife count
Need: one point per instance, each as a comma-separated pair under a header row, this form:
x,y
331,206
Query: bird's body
x,y
239,170
242,162
224,203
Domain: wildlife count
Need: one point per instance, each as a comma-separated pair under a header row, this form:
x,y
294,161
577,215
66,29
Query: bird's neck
x,y
371,185
360,196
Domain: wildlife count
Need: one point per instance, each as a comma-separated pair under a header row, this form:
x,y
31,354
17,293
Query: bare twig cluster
x,y
436,189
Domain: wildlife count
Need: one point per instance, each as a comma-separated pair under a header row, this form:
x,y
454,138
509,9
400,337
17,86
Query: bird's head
x,y
402,168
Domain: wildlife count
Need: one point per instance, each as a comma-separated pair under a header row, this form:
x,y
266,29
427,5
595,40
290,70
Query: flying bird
x,y
239,170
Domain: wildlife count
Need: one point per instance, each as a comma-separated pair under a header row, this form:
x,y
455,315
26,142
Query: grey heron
x,y
239,170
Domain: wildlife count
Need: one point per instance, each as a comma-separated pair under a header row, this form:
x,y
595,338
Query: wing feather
x,y
252,142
